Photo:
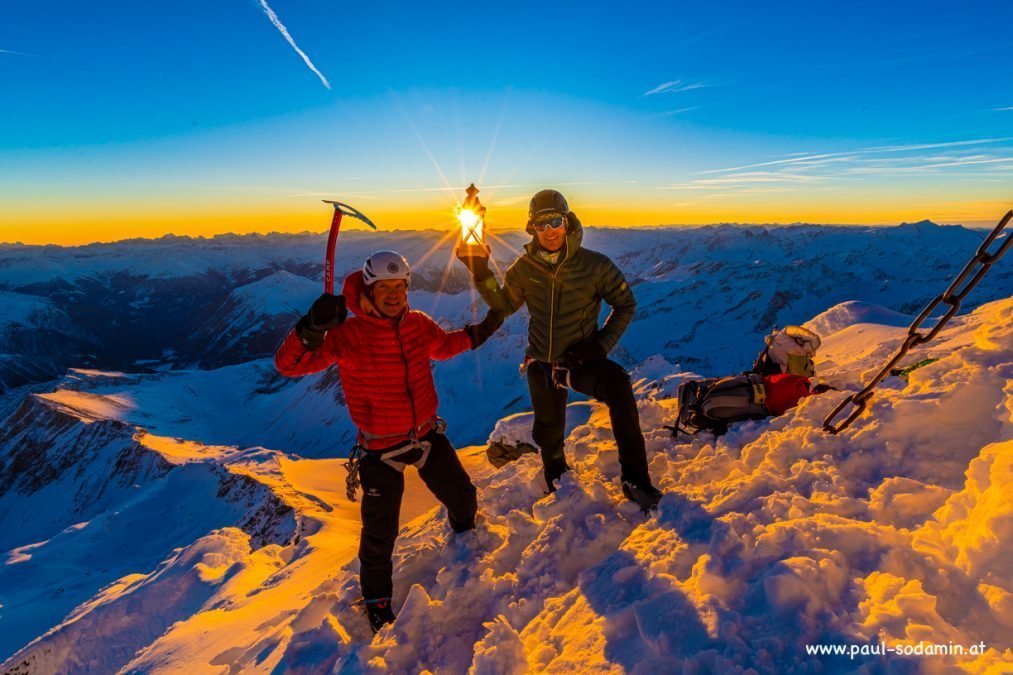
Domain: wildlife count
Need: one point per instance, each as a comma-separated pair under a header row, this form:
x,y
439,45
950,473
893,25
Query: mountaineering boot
x,y
465,545
554,472
379,613
647,496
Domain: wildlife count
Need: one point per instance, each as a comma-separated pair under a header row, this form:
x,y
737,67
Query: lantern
x,y
472,218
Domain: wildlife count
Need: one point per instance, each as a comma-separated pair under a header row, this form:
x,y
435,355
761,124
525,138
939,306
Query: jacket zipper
x,y
552,301
552,313
407,382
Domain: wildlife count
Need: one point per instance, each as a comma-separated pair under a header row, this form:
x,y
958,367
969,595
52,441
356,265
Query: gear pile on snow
x,y
780,378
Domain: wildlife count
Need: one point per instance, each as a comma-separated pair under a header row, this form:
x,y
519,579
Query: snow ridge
x,y
80,490
769,538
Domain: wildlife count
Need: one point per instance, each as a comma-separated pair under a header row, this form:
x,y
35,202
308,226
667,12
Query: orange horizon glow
x,y
78,226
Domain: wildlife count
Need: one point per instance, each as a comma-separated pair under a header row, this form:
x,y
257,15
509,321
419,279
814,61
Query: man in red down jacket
x,y
383,353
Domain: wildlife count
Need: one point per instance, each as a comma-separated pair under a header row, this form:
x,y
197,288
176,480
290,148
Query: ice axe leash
x,y
975,269
340,210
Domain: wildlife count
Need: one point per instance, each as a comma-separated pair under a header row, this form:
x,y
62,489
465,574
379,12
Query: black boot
x,y
646,495
554,472
379,613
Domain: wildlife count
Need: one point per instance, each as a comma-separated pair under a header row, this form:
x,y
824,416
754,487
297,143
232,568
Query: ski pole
x,y
340,210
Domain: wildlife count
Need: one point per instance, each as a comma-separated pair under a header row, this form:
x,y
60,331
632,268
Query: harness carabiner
x,y
560,376
352,467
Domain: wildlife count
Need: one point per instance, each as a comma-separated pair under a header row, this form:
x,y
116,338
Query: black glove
x,y
476,259
584,353
480,332
327,312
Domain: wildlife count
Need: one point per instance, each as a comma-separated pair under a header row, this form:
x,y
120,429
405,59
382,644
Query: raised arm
x,y
505,299
293,359
444,345
314,343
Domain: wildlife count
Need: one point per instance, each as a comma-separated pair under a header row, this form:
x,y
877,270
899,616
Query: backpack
x,y
713,404
789,350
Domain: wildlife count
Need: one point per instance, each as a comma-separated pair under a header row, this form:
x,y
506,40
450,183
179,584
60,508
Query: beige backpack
x,y
789,350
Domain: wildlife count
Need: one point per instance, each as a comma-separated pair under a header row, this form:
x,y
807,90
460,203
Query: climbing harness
x,y
557,375
411,446
388,457
973,272
370,441
560,376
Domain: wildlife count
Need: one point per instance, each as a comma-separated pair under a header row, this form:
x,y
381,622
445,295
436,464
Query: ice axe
x,y
340,210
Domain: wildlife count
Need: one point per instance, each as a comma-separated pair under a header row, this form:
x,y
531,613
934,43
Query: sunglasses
x,y
553,223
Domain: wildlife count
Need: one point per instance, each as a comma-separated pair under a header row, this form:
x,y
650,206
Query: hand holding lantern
x,y
472,249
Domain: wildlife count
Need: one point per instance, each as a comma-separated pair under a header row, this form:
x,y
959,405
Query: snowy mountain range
x,y
167,502
706,297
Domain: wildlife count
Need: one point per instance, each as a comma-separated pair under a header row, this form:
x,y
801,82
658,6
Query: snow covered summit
x,y
771,540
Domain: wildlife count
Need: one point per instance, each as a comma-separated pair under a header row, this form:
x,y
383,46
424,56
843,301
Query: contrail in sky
x,y
674,87
284,31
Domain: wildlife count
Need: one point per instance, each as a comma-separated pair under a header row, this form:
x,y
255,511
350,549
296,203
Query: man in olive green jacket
x,y
563,286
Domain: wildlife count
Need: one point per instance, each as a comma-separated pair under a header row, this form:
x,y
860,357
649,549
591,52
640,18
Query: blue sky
x,y
652,113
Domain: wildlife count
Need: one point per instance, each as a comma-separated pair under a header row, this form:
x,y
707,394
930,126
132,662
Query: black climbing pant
x,y
383,487
607,382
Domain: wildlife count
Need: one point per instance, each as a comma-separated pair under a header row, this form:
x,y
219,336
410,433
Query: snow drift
x,y
771,538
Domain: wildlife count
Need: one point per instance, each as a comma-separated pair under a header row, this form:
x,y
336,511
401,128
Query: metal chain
x,y
973,272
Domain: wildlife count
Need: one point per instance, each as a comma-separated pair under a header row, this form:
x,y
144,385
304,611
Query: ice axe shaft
x,y
340,210
332,240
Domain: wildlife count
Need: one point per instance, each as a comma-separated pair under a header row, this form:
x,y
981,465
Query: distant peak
x,y
921,224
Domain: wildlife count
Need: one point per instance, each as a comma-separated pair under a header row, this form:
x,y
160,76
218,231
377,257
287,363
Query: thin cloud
x,y
284,31
1009,107
759,177
511,201
856,154
674,87
926,146
929,167
670,113
742,182
952,161
793,160
8,51
747,191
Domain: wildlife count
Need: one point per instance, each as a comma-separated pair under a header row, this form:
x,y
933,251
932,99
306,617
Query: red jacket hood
x,y
354,290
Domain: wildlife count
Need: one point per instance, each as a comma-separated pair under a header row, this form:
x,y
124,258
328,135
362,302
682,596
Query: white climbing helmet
x,y
386,265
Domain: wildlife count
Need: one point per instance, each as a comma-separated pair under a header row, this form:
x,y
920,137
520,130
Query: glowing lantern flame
x,y
471,227
472,217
